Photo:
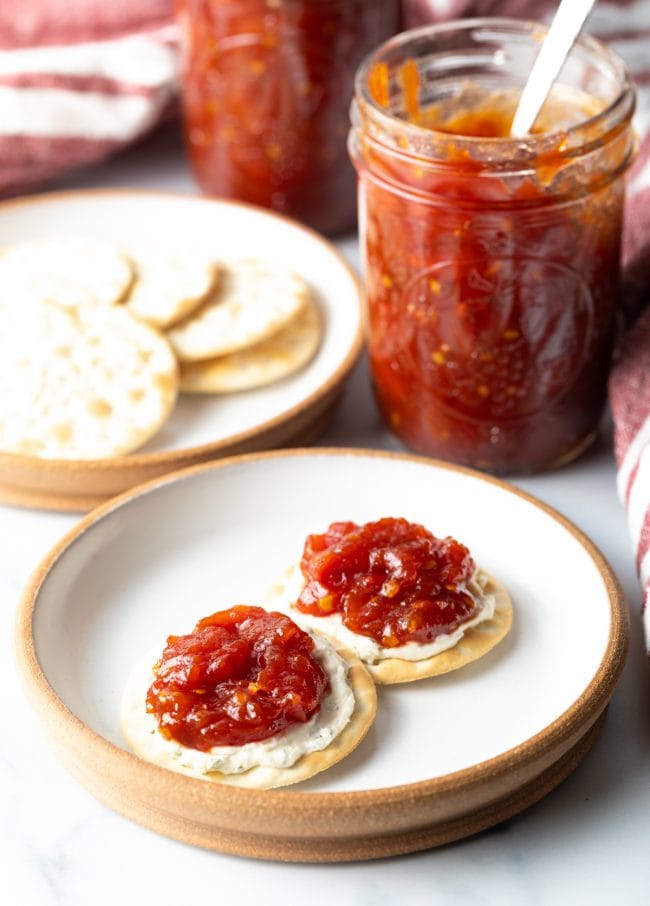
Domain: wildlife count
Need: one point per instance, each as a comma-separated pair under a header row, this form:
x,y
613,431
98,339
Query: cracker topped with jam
x,y
409,604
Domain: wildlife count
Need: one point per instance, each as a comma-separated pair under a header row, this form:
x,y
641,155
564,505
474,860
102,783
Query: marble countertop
x,y
587,841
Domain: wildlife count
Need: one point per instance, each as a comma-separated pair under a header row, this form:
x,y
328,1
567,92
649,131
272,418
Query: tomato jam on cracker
x,y
242,675
391,580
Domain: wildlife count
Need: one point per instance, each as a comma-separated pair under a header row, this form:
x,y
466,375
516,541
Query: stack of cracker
x,y
97,341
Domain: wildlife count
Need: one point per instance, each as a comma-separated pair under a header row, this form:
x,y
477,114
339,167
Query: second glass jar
x,y
267,86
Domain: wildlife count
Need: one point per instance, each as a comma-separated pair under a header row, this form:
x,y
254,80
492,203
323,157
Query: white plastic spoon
x,y
564,29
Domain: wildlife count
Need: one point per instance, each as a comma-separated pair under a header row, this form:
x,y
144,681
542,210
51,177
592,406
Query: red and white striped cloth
x,y
629,392
79,79
625,26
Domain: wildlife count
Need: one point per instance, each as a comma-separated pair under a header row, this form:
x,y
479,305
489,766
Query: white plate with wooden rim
x,y
201,428
446,757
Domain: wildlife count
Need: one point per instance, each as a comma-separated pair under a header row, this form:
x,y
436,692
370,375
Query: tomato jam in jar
x,y
491,263
267,86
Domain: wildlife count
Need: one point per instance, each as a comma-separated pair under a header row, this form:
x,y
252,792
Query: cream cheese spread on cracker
x,y
284,595
280,751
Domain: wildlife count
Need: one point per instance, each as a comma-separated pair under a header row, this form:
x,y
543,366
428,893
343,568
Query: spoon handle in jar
x,y
565,27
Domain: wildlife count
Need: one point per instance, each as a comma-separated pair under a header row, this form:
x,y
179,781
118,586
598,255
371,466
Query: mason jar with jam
x,y
491,262
267,86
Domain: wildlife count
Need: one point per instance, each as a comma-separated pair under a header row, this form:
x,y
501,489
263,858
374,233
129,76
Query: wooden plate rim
x,y
176,458
573,722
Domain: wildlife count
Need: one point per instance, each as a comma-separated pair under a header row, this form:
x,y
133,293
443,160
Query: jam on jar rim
x,y
589,134
478,173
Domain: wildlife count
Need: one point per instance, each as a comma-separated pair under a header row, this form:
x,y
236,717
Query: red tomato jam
x,y
267,86
391,580
241,676
491,263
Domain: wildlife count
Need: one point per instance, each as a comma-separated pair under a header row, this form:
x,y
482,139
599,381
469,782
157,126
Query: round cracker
x,y
81,383
253,301
65,270
170,283
475,642
281,355
136,731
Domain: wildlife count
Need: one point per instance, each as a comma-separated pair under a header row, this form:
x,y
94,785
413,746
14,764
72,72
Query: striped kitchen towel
x,y
625,26
79,79
629,392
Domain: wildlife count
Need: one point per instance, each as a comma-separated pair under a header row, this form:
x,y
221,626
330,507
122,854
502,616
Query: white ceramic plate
x,y
201,427
151,564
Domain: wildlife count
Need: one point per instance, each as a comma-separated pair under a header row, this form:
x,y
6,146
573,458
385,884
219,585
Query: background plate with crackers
x,y
201,427
447,756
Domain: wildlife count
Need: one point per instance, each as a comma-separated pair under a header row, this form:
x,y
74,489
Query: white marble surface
x,y
586,842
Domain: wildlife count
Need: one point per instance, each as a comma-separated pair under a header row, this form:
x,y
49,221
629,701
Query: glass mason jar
x,y
491,263
267,86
